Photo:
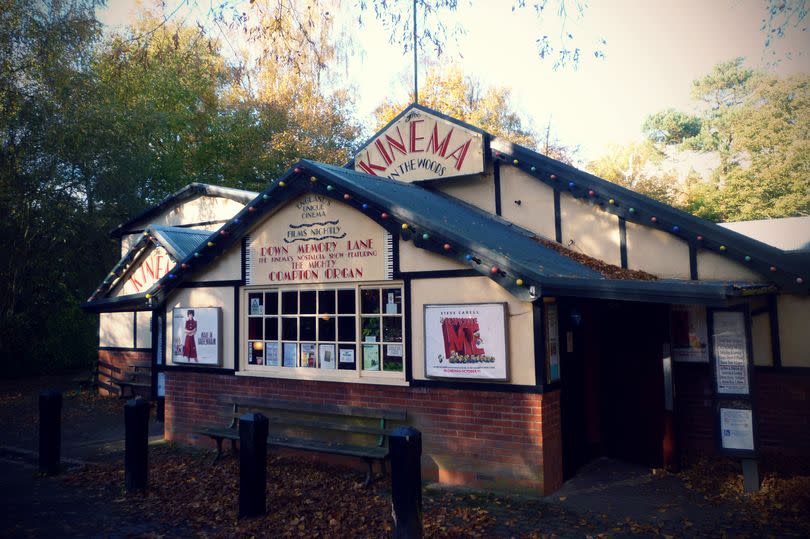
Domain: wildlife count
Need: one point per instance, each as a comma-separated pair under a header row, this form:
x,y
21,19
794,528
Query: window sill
x,y
319,376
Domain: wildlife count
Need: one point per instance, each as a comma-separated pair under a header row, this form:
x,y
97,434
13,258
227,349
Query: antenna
x,y
415,64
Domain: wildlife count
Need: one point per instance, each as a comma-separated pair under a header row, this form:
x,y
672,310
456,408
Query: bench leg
x,y
369,473
219,449
234,449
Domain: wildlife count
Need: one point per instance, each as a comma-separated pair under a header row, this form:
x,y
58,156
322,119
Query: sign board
x,y
688,333
147,271
196,335
315,239
466,341
422,146
730,350
736,429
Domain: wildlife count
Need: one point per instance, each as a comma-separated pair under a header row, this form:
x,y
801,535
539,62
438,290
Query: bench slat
x,y
321,425
326,447
320,409
302,443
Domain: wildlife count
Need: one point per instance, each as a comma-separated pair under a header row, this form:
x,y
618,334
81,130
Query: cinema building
x,y
527,316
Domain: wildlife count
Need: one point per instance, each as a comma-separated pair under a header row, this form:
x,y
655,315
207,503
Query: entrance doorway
x,y
612,395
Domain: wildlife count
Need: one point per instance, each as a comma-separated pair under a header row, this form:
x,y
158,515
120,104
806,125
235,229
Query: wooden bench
x,y
138,377
330,428
104,375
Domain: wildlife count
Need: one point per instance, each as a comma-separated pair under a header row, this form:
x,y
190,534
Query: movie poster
x,y
689,334
195,335
466,341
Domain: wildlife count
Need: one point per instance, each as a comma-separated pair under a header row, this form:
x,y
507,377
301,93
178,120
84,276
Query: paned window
x,y
356,330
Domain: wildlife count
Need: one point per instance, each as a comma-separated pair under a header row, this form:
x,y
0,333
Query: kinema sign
x,y
422,146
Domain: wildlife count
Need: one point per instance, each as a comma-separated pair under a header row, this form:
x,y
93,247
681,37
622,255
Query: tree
x,y
450,92
639,167
44,244
757,125
95,129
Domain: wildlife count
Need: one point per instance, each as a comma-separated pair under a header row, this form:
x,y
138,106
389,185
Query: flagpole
x,y
415,65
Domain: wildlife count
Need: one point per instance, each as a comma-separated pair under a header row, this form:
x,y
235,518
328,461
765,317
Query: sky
x,y
654,50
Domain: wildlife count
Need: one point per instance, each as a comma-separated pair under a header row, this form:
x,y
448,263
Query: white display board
x,y
730,353
196,335
466,341
737,429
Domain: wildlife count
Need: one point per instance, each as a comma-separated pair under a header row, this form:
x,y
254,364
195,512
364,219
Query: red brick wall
x,y
782,402
483,438
123,360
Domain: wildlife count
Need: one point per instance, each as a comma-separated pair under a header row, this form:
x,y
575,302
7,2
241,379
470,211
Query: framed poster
x,y
688,334
271,354
552,343
327,356
308,358
290,354
730,352
736,428
466,341
161,384
196,335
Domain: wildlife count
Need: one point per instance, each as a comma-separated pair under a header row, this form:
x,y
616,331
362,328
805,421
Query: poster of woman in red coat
x,y
189,348
195,335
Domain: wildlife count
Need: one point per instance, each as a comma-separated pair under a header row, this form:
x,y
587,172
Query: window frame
x,y
358,373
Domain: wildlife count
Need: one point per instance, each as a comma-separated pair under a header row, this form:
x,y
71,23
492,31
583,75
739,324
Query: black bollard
x,y
136,446
50,431
252,465
406,482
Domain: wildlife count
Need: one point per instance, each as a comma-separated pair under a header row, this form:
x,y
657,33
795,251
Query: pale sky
x,y
655,49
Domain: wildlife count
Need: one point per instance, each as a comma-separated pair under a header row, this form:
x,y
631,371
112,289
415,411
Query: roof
x,y
790,270
180,242
507,254
788,233
791,273
190,191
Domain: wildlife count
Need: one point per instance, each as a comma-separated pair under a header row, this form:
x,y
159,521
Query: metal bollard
x,y
136,444
50,431
406,482
252,465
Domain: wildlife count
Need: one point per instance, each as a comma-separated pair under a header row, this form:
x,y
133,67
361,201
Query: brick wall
x,y
123,359
782,400
482,438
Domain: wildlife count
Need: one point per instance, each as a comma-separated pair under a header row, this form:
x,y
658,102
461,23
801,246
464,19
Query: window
x,y
351,331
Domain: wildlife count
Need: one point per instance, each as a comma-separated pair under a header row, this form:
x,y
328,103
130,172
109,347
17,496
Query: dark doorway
x,y
612,382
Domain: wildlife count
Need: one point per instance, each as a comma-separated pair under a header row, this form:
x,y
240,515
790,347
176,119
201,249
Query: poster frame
x,y
503,312
748,349
674,351
735,404
219,317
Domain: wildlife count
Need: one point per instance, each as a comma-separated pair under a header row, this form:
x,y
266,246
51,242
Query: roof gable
x,y
149,260
189,192
420,144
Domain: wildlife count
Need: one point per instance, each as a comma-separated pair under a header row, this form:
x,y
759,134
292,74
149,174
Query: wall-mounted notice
x,y
195,335
466,341
689,334
737,429
552,344
730,352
